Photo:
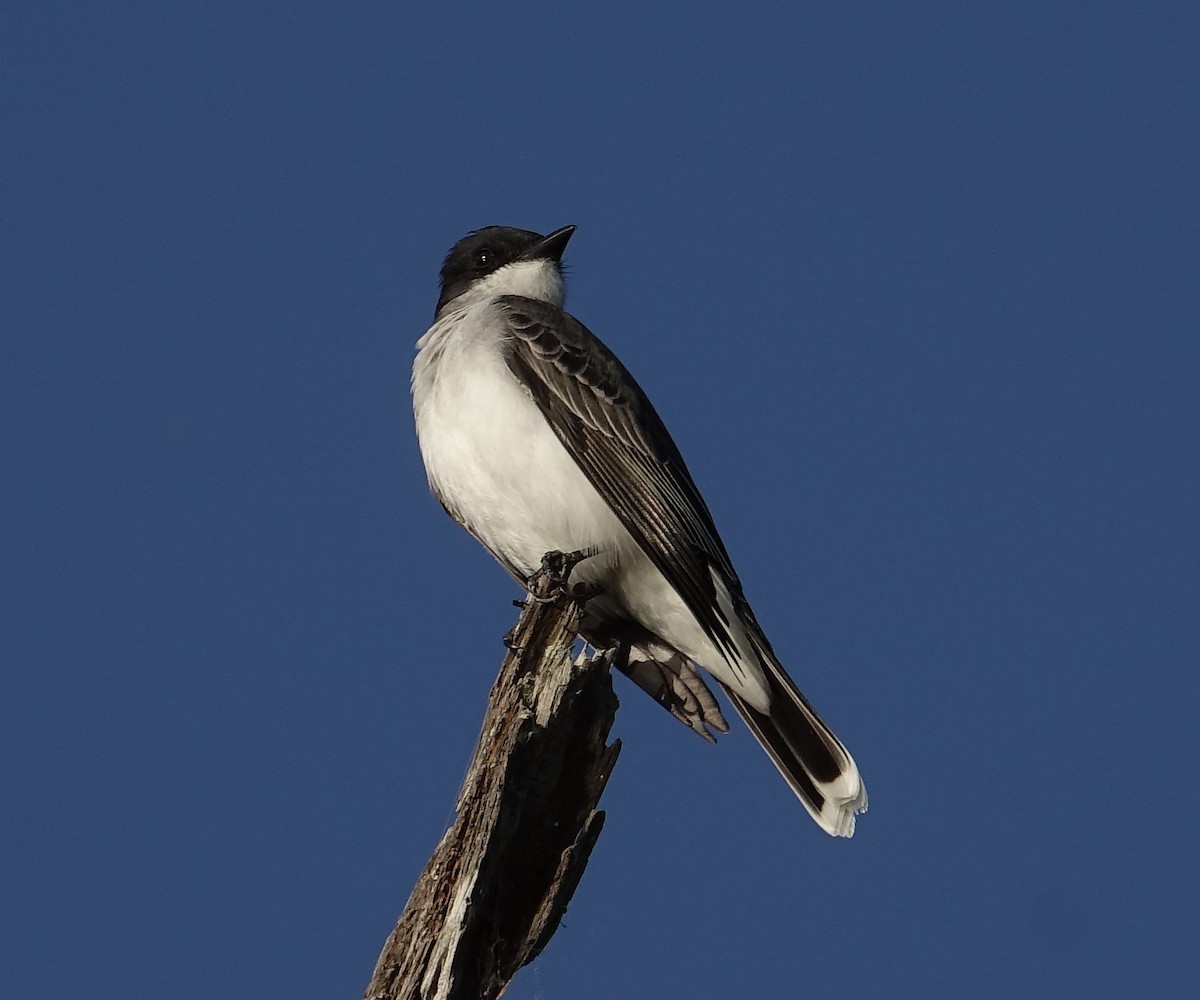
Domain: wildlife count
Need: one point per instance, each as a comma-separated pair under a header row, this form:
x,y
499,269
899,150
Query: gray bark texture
x,y
499,882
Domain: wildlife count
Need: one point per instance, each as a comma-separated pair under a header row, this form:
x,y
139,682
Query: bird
x,y
536,438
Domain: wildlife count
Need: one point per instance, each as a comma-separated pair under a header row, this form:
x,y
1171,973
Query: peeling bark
x,y
496,887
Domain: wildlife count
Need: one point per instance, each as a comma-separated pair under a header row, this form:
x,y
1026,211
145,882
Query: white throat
x,y
534,279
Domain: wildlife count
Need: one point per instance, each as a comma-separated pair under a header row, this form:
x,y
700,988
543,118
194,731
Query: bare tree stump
x,y
499,882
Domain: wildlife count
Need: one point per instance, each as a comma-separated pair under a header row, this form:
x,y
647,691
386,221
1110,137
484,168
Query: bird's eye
x,y
484,258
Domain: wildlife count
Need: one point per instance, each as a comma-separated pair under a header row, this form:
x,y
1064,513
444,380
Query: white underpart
x,y
495,462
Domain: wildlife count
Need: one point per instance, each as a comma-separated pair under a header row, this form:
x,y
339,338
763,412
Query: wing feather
x,y
611,430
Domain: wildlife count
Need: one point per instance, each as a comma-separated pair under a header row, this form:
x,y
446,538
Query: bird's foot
x,y
584,591
552,581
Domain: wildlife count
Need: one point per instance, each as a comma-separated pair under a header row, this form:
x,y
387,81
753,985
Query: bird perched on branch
x,y
536,438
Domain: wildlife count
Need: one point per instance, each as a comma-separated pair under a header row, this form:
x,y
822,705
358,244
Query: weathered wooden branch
x,y
499,882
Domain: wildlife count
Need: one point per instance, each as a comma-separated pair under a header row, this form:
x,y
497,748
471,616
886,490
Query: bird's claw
x,y
552,581
584,591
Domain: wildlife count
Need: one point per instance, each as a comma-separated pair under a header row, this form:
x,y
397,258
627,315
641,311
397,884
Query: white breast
x,y
497,465
491,456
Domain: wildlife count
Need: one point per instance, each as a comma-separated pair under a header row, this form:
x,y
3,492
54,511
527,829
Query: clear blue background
x,y
916,287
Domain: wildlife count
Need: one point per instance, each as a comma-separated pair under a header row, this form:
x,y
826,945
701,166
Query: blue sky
x,y
914,285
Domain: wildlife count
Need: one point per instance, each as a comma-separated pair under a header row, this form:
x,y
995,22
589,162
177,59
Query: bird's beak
x,y
551,247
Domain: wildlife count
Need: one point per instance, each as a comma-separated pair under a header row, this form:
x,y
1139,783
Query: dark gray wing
x,y
611,430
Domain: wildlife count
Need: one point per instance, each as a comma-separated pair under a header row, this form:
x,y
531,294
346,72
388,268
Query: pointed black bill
x,y
551,246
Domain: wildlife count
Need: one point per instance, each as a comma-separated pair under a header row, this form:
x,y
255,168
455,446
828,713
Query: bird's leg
x,y
584,591
552,581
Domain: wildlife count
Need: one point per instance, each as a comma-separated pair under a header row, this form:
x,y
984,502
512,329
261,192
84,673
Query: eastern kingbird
x,y
535,438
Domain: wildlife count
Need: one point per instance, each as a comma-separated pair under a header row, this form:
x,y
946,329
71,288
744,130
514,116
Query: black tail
x,y
811,759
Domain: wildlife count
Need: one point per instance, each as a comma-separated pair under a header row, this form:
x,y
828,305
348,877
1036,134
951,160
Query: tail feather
x,y
810,757
671,679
